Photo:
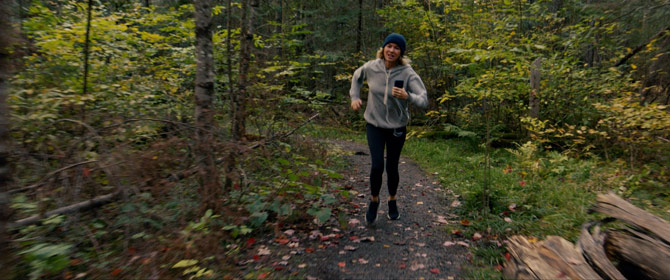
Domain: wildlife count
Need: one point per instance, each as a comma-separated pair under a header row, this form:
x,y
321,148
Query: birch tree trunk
x,y
210,189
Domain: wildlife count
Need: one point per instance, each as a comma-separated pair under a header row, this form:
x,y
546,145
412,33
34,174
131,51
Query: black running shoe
x,y
393,210
371,215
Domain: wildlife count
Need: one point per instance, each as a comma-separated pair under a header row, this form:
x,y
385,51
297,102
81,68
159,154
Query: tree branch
x,y
94,202
42,181
641,46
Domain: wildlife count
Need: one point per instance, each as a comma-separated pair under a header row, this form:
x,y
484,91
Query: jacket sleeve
x,y
417,91
357,83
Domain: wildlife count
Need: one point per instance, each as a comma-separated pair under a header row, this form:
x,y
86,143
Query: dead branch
x,y
84,205
42,181
280,136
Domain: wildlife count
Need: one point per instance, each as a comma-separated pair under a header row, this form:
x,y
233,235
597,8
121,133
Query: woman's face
x,y
391,52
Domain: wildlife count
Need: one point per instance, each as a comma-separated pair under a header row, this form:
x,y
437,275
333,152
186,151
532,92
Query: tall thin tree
x,y
240,98
87,42
210,189
6,32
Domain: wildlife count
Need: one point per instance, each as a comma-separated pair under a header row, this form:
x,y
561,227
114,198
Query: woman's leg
x,y
394,143
376,144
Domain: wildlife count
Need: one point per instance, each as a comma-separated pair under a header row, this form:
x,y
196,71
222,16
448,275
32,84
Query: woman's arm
x,y
417,91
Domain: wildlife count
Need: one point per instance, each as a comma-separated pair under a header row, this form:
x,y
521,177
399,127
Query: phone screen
x,y
398,83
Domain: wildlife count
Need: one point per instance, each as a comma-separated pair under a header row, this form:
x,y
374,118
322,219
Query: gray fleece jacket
x,y
383,110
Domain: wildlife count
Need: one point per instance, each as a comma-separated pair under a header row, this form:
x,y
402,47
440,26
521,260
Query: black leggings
x,y
393,139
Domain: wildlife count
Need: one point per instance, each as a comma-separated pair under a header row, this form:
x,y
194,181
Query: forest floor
x,y
415,246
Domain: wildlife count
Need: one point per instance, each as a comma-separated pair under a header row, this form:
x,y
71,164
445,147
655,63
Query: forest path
x,y
415,246
411,247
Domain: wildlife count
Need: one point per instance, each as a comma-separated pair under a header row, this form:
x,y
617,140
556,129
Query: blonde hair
x,y
403,59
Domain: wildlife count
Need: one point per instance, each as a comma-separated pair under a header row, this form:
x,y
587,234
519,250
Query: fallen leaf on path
x,y
314,234
419,203
498,267
282,241
309,250
286,257
449,243
507,219
402,266
293,245
417,266
302,265
289,232
250,242
435,271
476,236
350,248
368,239
341,264
354,222
387,246
507,256
263,251
455,203
420,244
442,220
465,222
279,268
462,243
117,272
262,275
363,261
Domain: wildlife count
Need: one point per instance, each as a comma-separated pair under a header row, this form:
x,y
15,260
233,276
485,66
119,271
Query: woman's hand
x,y
356,104
400,93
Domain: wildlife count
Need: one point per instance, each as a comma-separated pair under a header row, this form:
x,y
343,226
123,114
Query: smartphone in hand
x,y
398,83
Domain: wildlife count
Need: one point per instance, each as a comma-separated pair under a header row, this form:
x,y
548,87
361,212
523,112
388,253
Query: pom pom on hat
x,y
398,39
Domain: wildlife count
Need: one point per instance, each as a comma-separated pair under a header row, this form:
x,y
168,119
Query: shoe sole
x,y
387,216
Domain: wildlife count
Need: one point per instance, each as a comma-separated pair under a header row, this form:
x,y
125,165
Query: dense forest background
x,y
181,117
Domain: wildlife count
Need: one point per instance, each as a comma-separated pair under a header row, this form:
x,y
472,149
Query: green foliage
x,y
45,258
190,267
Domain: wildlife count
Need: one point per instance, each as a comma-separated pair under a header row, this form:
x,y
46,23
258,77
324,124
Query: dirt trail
x,y
409,248
412,247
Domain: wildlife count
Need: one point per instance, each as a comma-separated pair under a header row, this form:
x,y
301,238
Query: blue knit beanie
x,y
395,38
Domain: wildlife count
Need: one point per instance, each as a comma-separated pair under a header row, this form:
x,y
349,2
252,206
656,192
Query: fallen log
x,y
553,258
591,247
639,256
84,205
612,205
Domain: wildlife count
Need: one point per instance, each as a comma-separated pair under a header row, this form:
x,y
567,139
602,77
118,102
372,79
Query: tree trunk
x,y
87,42
360,22
534,101
6,33
210,189
240,99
